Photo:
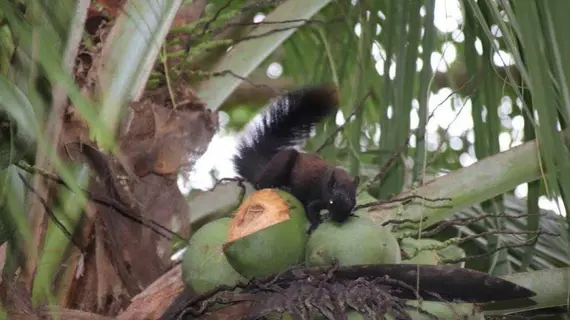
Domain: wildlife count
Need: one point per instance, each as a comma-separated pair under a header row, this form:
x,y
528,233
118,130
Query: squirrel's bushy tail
x,y
286,122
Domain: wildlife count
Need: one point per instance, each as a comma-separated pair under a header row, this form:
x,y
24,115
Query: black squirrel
x,y
266,154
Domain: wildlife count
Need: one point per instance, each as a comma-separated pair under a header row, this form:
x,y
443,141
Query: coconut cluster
x,y
268,233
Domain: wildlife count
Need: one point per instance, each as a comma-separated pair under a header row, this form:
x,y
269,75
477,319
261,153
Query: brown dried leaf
x,y
151,303
15,297
157,137
124,256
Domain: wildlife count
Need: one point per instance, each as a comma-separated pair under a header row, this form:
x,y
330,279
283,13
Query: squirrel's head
x,y
342,196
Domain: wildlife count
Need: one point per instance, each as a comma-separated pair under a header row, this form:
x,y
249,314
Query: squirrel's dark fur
x,y
266,156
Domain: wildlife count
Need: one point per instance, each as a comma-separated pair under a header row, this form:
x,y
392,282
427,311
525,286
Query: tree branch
x,y
153,301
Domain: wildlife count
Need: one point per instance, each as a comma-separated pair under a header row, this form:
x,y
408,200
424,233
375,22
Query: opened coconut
x,y
268,233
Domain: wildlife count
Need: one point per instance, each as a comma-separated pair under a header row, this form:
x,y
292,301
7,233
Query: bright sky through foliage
x,y
453,114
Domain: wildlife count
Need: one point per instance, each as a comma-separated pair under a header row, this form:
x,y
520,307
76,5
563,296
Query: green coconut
x,y
356,241
267,234
453,252
413,249
430,251
204,266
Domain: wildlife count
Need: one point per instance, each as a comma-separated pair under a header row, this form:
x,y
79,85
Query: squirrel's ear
x,y
356,181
